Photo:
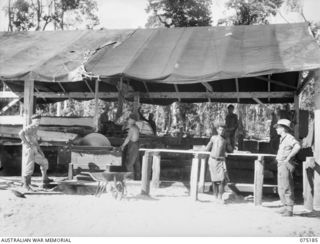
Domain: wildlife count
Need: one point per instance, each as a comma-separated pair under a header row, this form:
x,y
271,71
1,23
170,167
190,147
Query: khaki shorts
x,y
32,156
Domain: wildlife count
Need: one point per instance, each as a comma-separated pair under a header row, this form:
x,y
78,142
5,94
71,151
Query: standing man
x,y
103,120
231,125
131,144
33,154
288,148
218,146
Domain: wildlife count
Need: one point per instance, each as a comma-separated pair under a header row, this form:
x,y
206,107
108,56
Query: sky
x,y
128,14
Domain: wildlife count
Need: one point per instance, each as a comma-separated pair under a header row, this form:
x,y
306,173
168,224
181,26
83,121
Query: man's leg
x,y
132,155
215,189
285,191
221,189
289,192
27,168
44,165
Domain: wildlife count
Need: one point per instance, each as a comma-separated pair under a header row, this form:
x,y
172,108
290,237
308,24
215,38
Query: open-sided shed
x,y
245,64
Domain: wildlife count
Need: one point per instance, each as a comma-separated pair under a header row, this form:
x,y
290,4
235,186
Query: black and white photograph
x,y
159,118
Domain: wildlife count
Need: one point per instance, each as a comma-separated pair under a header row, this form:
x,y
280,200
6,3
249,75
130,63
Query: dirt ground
x,y
168,212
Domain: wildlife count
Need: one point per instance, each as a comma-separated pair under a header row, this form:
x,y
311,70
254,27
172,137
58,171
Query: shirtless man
x,y
131,144
33,153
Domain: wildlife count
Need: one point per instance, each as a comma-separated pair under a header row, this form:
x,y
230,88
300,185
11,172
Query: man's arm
x,y
126,141
23,138
293,152
208,147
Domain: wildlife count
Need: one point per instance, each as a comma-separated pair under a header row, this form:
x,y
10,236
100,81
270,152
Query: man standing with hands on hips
x,y
288,148
33,154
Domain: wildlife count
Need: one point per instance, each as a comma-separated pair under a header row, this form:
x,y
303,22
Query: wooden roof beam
x,y
208,88
61,86
156,95
279,83
90,89
177,92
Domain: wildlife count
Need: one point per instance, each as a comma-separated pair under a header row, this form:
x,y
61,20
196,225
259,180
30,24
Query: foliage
x,y
178,13
27,15
251,11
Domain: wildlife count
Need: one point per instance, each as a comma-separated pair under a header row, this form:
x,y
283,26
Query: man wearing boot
x,y
33,154
288,148
218,146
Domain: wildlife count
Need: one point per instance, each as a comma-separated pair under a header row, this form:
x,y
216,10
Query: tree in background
x,y
178,13
251,11
38,14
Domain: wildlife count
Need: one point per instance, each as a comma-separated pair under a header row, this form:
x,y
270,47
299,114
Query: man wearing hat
x,y
33,154
288,148
131,144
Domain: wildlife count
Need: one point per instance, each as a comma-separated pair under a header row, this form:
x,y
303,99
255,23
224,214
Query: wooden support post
x,y
136,103
120,100
96,106
307,174
156,170
145,173
59,108
297,116
202,177
28,110
258,180
70,171
316,204
194,177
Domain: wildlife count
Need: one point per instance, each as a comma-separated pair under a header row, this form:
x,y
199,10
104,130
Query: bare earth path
x,y
169,212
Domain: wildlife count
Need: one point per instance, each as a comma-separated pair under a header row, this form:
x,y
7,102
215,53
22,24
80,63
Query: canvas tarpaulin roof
x,y
167,60
51,56
198,54
154,59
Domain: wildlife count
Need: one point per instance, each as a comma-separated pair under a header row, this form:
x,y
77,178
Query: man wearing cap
x,y
33,154
132,146
288,148
103,120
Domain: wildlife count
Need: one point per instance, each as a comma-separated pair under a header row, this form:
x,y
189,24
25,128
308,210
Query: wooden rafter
x,y
269,86
279,83
61,86
90,89
208,88
156,95
145,86
13,102
177,92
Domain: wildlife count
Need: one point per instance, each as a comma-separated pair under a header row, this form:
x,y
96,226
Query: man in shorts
x,y
33,154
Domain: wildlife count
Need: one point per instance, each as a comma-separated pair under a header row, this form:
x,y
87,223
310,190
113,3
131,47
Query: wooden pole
x,y
96,105
27,111
156,170
136,103
145,173
307,174
258,180
202,177
194,177
316,196
297,117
